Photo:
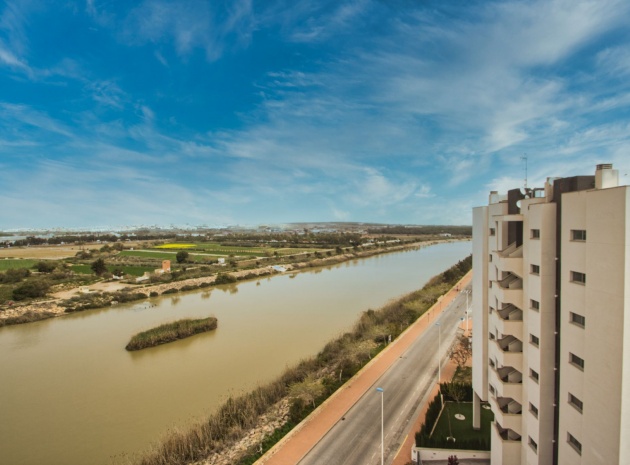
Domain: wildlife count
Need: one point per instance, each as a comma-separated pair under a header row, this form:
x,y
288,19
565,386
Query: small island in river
x,y
170,332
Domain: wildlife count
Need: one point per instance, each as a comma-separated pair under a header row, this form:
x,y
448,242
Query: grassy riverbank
x,y
304,386
170,332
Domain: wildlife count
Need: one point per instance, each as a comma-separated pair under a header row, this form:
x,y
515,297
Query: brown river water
x,y
70,394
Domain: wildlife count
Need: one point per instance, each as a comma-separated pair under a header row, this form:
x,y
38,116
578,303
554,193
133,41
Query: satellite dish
x,y
518,203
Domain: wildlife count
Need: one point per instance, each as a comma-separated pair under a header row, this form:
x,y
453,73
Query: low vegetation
x,y
170,332
306,385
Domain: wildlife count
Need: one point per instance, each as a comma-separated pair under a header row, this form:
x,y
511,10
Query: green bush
x,y
14,275
31,289
224,278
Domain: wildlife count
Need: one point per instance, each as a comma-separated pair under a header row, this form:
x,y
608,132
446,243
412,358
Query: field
x,y
176,246
163,255
462,429
215,249
133,270
8,264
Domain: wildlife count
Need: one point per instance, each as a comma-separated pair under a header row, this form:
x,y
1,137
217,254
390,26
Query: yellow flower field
x,y
175,246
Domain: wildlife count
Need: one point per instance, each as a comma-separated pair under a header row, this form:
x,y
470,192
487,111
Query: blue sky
x,y
266,112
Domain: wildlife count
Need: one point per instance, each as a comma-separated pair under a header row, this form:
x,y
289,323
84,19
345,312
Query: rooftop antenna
x,y
524,158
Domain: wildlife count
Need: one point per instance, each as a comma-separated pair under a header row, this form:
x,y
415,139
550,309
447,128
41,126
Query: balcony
x,y
510,259
509,320
508,413
508,382
510,352
509,290
506,445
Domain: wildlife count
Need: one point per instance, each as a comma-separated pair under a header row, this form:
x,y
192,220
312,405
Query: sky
x,y
217,113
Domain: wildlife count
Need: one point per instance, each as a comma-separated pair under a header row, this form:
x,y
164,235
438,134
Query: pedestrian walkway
x,y
307,434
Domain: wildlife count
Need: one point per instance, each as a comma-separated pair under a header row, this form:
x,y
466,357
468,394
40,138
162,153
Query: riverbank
x,y
79,300
235,434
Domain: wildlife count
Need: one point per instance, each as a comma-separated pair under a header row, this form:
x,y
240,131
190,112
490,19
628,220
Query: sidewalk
x,y
293,447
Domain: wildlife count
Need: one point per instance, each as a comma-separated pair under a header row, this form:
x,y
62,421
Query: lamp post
x,y
439,347
382,427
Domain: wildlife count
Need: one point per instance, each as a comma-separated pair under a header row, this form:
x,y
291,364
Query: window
x,y
532,444
577,445
490,257
491,336
492,364
534,340
578,319
535,234
578,235
535,269
575,402
490,310
576,361
492,231
534,375
578,277
533,409
534,304
491,389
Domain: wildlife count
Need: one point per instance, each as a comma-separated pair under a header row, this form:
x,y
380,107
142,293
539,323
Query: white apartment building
x,y
551,320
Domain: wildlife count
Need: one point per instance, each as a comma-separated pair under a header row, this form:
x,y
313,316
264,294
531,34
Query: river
x,y
70,394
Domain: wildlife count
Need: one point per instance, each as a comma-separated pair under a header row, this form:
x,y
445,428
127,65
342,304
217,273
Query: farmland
x,y
9,264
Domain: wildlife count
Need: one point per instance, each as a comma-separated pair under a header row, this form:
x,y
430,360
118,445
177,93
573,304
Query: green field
x,y
462,429
164,255
218,249
9,264
133,270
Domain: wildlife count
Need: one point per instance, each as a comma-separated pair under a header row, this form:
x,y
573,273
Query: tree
x,y
182,256
99,267
455,391
46,266
453,460
461,351
308,390
31,289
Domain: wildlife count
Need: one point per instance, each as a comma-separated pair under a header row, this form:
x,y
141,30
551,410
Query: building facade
x,y
551,319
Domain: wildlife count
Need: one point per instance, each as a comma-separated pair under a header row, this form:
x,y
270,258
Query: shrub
x,y
31,289
224,278
46,266
13,276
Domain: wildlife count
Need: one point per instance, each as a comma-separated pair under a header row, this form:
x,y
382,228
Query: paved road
x,y
356,439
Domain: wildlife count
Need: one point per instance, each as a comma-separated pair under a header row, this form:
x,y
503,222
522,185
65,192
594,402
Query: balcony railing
x,y
511,281
510,344
506,434
510,313
511,251
510,375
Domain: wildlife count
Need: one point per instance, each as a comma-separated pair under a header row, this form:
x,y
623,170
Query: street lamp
x,y
439,347
382,426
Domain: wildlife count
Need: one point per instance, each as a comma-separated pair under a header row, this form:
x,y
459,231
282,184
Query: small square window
x,y
575,402
577,445
578,235
577,277
534,304
490,257
534,375
492,231
533,409
535,234
491,389
535,269
532,444
577,319
491,362
576,361
534,340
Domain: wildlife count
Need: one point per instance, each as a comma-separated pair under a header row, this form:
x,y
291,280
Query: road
x,y
356,439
